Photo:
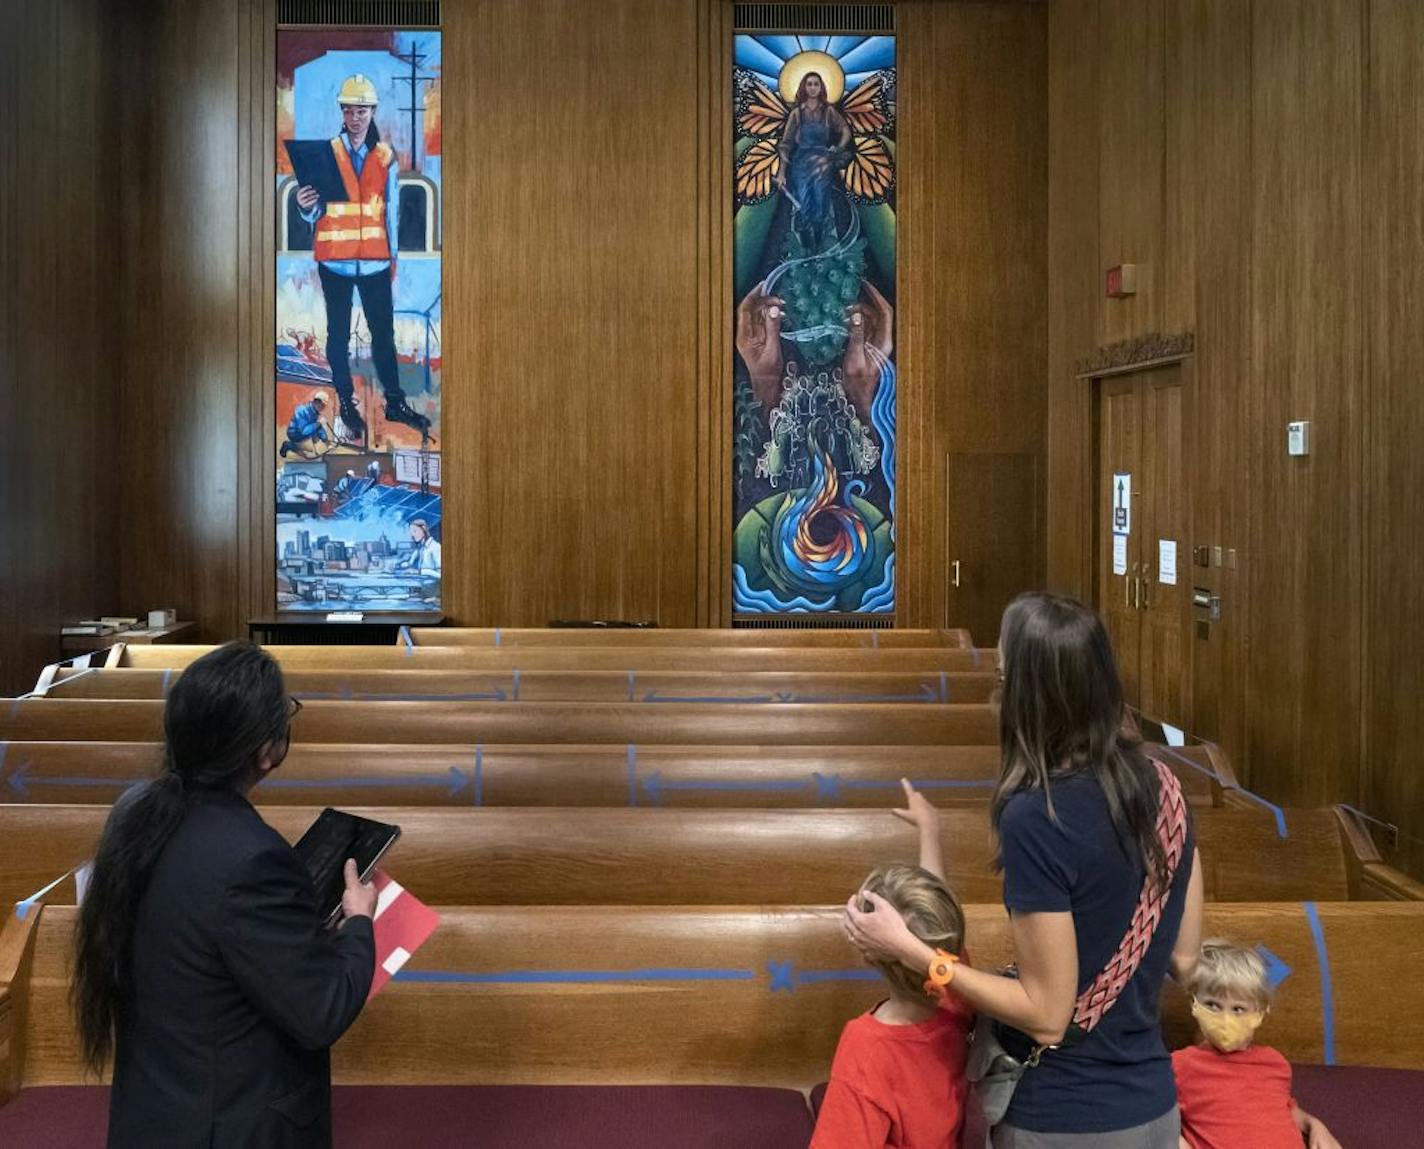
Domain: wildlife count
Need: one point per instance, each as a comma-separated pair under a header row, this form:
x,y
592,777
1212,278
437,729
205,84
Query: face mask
x,y
1228,1032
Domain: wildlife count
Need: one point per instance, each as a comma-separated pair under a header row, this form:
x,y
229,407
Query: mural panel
x,y
814,281
358,364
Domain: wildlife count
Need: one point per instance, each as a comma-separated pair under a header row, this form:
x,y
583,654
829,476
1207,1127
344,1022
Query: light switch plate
x,y
1298,437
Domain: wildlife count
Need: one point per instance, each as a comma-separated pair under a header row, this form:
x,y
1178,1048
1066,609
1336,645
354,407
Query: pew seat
x,y
1364,1108
603,856
673,723
721,996
317,774
515,685
620,659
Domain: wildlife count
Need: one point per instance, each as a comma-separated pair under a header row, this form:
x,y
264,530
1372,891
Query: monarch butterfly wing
x,y
756,171
870,176
867,106
760,111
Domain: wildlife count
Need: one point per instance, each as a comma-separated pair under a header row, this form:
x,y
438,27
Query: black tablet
x,y
330,840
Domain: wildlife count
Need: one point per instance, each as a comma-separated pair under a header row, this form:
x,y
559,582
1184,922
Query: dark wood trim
x,y
1138,354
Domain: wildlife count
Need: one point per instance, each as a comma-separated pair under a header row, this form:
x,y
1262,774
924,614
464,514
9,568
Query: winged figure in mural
x,y
807,147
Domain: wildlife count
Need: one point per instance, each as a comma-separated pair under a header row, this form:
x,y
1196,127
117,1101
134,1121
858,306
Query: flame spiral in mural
x,y
821,543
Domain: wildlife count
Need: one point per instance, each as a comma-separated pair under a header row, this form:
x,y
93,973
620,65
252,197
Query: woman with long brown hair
x,y
1103,889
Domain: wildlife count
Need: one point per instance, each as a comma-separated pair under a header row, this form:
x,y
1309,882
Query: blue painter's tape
x,y
404,633
632,686
1271,806
943,686
4,750
814,976
1276,968
782,976
632,775
654,696
479,775
974,657
875,640
1327,990
573,976
516,685
167,674
496,636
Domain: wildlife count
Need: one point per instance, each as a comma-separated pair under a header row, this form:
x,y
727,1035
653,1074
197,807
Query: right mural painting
x,y
814,280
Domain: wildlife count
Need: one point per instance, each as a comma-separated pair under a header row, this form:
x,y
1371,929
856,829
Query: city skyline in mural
x,y
814,296
357,370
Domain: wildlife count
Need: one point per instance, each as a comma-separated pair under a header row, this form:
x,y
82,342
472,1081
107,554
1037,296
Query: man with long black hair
x,y
202,962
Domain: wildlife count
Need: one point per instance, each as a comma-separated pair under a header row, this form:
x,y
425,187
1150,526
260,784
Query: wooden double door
x,y
1144,567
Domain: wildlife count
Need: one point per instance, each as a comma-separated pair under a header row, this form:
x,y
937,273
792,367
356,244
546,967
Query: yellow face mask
x,y
1228,1032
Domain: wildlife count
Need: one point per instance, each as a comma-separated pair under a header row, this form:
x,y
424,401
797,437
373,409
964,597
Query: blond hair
x,y
1225,968
930,909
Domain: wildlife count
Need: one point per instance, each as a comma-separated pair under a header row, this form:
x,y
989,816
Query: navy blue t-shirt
x,y
1120,1075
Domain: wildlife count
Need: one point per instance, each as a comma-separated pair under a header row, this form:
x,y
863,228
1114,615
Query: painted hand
x,y
307,197
872,338
919,813
758,339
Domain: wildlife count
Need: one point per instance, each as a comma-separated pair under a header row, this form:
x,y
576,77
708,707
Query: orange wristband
x,y
941,973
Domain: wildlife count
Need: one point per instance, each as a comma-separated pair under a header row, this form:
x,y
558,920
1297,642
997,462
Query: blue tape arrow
x,y
785,977
829,786
927,693
654,696
455,779
572,976
654,786
1276,969
20,780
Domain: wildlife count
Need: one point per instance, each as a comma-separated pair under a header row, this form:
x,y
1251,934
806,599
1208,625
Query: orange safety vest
x,y
356,229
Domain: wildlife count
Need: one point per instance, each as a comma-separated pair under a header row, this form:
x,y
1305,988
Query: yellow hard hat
x,y
357,90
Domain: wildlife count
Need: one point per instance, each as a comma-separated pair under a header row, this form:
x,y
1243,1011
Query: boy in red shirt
x,y
1231,1092
898,1081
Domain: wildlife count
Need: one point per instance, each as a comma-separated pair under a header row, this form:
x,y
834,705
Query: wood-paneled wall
x,y
1260,161
61,444
587,311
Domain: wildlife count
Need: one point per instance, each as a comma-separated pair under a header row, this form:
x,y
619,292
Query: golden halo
x,y
831,73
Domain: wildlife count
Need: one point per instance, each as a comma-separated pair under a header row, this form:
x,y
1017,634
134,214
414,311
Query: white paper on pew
x,y
1167,561
1119,554
1173,736
81,882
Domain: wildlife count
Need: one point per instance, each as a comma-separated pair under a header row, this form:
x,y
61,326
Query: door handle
x,y
1137,593
954,574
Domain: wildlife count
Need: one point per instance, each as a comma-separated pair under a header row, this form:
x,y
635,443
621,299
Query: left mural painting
x,y
358,363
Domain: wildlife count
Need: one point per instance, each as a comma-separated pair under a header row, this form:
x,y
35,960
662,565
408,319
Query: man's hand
x,y
307,197
359,898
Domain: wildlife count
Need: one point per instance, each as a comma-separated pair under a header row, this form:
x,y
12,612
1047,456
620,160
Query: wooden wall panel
x,y
1075,294
179,313
1131,65
1208,278
59,442
973,258
1305,574
1394,285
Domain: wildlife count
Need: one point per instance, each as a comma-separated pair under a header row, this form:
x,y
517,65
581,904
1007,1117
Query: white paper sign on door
x,y
1119,554
1167,561
1122,503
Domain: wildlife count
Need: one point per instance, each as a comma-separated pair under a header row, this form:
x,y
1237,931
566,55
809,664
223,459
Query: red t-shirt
x,y
1229,1100
898,1086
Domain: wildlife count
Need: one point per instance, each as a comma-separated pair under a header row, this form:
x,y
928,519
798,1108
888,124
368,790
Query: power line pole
x,y
415,58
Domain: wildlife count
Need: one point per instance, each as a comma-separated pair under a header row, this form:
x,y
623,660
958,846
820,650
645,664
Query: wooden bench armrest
x,y
1382,882
17,946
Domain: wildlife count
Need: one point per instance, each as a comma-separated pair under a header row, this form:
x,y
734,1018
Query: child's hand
x,y
1317,1136
919,812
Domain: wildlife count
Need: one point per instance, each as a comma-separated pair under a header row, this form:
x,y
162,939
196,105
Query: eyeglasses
x,y
294,707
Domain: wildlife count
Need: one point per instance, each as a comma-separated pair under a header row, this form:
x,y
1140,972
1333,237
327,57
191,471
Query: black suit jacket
x,y
239,993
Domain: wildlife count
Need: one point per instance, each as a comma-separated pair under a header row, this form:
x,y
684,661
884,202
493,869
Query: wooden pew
x,y
603,856
782,724
517,685
654,995
603,637
316,774
640,660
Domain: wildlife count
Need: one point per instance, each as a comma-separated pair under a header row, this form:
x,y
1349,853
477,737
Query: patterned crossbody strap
x,y
1098,998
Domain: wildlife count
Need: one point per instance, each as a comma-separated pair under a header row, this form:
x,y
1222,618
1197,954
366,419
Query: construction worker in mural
x,y
355,248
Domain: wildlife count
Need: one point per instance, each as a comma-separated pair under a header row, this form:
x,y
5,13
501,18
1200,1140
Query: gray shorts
x,y
1164,1133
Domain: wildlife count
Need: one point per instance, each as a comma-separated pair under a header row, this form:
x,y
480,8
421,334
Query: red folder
x,y
402,924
